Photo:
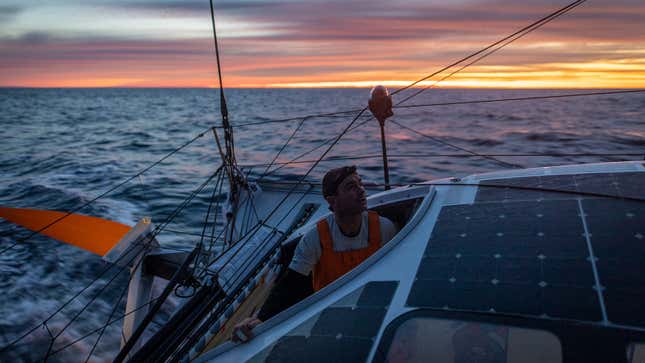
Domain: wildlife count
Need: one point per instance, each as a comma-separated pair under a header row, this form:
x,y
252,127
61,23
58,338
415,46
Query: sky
x,y
311,43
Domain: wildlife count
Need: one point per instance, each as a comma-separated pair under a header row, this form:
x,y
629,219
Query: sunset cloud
x,y
317,44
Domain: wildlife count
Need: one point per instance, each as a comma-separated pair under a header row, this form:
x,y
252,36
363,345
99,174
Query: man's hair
x,y
334,177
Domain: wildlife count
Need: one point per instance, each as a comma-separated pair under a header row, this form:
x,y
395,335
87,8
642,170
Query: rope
x,y
74,210
208,212
212,235
329,148
295,186
491,48
519,187
404,156
484,53
295,160
256,250
456,147
124,290
504,41
522,98
104,326
157,230
264,173
319,146
508,39
545,19
338,138
338,114
152,235
512,38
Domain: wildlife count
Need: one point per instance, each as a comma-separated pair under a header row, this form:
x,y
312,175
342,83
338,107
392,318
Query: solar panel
x,y
343,332
512,257
538,253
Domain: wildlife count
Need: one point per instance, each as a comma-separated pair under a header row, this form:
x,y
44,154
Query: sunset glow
x,y
168,43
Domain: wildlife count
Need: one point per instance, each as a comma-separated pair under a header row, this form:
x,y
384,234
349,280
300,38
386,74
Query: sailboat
x,y
524,265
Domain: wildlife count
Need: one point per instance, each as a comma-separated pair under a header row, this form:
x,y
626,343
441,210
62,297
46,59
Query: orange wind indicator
x,y
93,234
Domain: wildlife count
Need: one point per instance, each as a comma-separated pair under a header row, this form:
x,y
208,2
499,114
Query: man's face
x,y
350,196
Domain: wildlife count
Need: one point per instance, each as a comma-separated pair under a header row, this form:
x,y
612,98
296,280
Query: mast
x,y
228,152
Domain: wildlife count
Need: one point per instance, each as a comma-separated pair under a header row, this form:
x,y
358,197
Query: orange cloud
x,y
348,44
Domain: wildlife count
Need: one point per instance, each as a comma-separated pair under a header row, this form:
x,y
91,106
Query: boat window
x,y
399,212
423,339
636,353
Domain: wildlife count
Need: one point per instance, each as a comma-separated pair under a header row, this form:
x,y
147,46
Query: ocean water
x,y
62,147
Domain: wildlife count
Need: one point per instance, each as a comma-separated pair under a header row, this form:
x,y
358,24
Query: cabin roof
x,y
494,244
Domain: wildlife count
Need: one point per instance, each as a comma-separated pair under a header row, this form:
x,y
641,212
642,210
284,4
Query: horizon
x,y
314,44
320,88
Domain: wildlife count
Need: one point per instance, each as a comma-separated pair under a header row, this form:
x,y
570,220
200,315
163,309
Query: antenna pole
x,y
386,170
380,104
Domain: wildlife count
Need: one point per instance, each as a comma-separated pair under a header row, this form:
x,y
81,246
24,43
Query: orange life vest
x,y
334,264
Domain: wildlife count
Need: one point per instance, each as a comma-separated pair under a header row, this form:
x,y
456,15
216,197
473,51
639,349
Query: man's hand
x,y
243,332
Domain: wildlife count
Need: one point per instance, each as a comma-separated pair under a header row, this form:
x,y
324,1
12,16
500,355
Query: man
x,y
338,244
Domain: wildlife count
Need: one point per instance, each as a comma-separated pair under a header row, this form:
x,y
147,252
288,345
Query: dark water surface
x,y
60,148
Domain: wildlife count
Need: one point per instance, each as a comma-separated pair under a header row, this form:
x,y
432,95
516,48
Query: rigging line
x,y
215,313
519,187
264,173
205,271
401,156
214,226
247,212
319,146
134,245
260,245
528,98
295,160
208,213
143,324
339,114
482,56
182,232
300,181
99,276
139,262
575,3
538,23
256,250
114,308
231,246
141,172
534,27
435,139
183,205
209,262
98,293
255,211
442,104
509,39
260,223
105,325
